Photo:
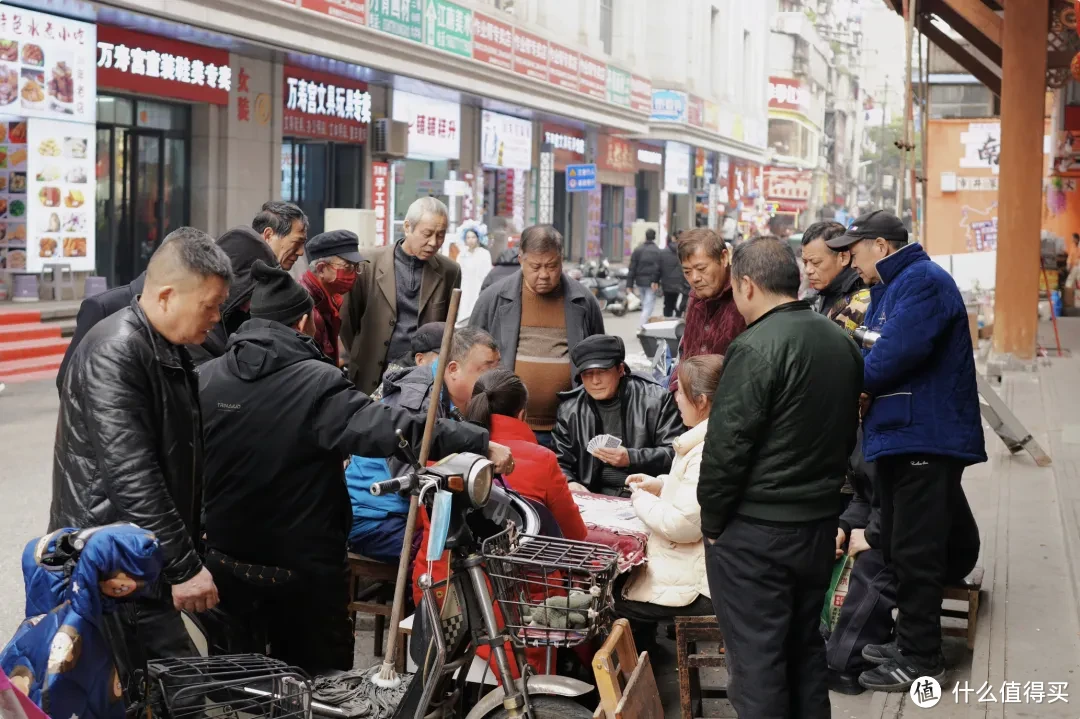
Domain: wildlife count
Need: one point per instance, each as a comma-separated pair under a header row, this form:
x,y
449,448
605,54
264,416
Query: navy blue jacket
x,y
921,372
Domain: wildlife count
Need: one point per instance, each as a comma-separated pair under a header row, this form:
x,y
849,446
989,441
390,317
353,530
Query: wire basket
x,y
551,592
228,687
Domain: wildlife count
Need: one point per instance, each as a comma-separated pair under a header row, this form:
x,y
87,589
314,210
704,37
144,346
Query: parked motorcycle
x,y
609,291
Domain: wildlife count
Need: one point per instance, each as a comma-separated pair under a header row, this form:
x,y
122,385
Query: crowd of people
x,y
242,416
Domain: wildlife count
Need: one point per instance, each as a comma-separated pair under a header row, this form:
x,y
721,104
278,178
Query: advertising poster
x,y
13,205
434,125
594,215
677,168
506,141
60,194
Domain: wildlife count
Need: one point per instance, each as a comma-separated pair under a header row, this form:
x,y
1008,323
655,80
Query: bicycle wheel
x,y
546,707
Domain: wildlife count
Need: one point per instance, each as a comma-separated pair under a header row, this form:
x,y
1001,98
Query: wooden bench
x,y
688,632
371,591
967,591
625,680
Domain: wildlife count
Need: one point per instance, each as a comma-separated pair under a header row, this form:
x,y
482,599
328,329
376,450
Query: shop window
x,y
953,101
784,137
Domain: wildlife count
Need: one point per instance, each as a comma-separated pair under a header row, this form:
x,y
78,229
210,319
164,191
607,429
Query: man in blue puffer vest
x,y
922,426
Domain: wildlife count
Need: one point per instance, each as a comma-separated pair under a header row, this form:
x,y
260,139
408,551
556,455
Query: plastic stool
x,y
57,278
95,286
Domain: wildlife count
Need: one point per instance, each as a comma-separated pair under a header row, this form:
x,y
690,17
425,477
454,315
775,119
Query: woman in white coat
x,y
475,261
672,582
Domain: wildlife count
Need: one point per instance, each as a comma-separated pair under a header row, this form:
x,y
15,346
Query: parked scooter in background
x,y
609,291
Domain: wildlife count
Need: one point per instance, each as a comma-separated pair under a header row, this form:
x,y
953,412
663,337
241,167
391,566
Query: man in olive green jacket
x,y
776,453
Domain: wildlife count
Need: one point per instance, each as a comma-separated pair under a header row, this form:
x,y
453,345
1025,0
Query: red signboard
x,y
326,107
783,183
593,78
153,65
563,66
380,199
567,144
695,111
787,93
493,42
351,10
530,55
617,154
640,94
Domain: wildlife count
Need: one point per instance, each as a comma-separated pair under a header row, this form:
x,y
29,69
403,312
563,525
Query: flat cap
x,y
598,352
335,243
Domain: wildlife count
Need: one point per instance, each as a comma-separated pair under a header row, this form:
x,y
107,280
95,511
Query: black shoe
x,y
842,683
880,653
897,675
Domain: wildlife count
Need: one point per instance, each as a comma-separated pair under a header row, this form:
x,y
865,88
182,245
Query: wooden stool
x,y
624,680
967,591
688,632
371,591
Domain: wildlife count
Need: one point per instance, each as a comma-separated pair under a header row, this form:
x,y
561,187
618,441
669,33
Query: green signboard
x,y
448,27
618,86
404,18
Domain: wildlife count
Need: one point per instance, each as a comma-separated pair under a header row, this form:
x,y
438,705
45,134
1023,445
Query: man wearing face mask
x,y
333,258
399,288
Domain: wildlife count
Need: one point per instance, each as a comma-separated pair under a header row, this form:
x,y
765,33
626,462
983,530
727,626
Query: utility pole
x,y
881,146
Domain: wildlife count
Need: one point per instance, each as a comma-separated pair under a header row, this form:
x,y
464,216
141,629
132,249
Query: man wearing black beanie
x,y
279,421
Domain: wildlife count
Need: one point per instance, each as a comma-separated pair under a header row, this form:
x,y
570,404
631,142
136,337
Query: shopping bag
x,y
838,589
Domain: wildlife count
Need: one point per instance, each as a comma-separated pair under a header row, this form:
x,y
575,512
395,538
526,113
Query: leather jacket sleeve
x,y
656,460
565,447
123,441
91,312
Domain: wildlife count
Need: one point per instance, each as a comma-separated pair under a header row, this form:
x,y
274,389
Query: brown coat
x,y
369,312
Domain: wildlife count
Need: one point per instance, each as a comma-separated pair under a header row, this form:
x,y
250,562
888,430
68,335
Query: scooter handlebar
x,y
389,486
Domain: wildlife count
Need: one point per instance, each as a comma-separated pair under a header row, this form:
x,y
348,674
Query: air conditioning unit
x,y
390,138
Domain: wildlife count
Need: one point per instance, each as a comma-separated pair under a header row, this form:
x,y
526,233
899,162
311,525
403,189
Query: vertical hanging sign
x,y
380,193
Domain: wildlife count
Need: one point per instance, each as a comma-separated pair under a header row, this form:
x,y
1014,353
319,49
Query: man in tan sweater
x,y
537,316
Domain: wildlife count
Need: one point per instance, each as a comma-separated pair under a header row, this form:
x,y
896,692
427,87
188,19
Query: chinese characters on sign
x,y
404,18
434,125
593,78
493,42
349,10
640,94
571,143
977,184
788,94
448,27
695,111
982,145
617,154
128,60
669,105
785,184
530,55
505,141
380,203
563,66
243,101
325,106
618,87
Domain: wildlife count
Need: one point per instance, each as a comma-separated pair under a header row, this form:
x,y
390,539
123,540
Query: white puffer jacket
x,y
674,576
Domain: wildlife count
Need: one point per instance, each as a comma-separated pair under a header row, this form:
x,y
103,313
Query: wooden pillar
x,y
1023,90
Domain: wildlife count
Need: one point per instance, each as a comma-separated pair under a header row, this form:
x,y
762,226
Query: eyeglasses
x,y
341,264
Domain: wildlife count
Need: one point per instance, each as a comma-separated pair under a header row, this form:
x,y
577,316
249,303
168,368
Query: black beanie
x,y
277,295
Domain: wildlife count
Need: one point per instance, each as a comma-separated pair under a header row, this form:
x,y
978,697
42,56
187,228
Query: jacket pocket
x,y
891,411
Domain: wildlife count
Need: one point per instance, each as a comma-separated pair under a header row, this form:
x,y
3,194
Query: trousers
x,y
674,304
924,514
768,585
648,304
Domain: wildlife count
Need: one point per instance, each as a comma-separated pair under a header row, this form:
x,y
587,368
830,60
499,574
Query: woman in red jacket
x,y
498,403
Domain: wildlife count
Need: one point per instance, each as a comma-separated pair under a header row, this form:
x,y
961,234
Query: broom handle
x,y
414,501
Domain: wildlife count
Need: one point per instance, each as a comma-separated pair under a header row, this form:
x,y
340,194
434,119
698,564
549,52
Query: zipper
x,y
893,394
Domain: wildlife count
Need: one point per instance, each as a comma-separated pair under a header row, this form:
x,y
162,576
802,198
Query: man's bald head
x,y
187,280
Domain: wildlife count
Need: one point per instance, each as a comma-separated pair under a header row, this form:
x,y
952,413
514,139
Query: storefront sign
x,y
404,18
530,55
580,178
153,65
640,94
434,125
649,157
788,184
677,168
56,76
786,93
348,10
60,194
545,200
592,80
982,146
980,184
505,141
563,66
493,42
618,86
712,116
594,219
380,199
448,27
561,138
325,106
695,111
668,106
617,154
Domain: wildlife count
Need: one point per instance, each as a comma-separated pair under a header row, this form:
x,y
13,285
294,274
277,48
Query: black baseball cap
x,y
335,243
872,225
598,352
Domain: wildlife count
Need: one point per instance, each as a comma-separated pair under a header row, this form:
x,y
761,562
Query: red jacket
x,y
710,327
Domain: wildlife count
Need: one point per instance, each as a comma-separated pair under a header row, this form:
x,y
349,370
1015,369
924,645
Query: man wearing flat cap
x,y
279,421
611,399
921,425
333,258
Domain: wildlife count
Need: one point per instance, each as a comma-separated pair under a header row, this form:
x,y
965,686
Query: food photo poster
x,y
60,194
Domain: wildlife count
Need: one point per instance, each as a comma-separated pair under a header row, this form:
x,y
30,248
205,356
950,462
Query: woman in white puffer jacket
x,y
673,581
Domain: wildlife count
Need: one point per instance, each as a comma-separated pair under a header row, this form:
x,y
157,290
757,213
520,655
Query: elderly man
x,y
128,442
612,400
399,288
284,227
279,422
333,258
712,319
922,427
538,316
841,295
774,459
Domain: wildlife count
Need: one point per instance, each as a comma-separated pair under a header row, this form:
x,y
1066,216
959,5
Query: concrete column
x,y
1023,87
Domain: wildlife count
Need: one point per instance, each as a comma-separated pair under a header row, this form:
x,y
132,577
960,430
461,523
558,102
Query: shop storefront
x,y
434,143
650,181
616,165
506,154
47,142
677,215
568,148
326,121
787,195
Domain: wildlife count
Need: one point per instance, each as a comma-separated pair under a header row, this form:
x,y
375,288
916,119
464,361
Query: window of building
x,y
784,137
506,6
951,101
715,61
606,24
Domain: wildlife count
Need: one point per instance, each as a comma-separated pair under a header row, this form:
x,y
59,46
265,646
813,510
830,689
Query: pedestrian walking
x,y
537,317
333,260
776,452
646,269
129,444
922,427
672,280
401,287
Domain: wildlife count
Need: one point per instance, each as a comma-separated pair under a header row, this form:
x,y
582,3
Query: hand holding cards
x,y
604,441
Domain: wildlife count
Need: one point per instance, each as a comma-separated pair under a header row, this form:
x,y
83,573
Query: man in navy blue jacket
x,y
922,426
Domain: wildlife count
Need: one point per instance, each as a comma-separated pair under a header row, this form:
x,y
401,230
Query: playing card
x,y
611,442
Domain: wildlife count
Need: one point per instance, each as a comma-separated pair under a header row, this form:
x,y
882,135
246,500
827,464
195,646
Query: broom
x,y
388,678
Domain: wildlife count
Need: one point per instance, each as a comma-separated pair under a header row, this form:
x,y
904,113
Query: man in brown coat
x,y
398,288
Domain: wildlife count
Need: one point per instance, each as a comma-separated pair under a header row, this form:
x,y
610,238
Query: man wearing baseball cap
x,y
921,424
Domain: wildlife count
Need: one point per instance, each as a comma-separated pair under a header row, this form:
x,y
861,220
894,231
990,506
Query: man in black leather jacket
x,y
129,436
610,399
